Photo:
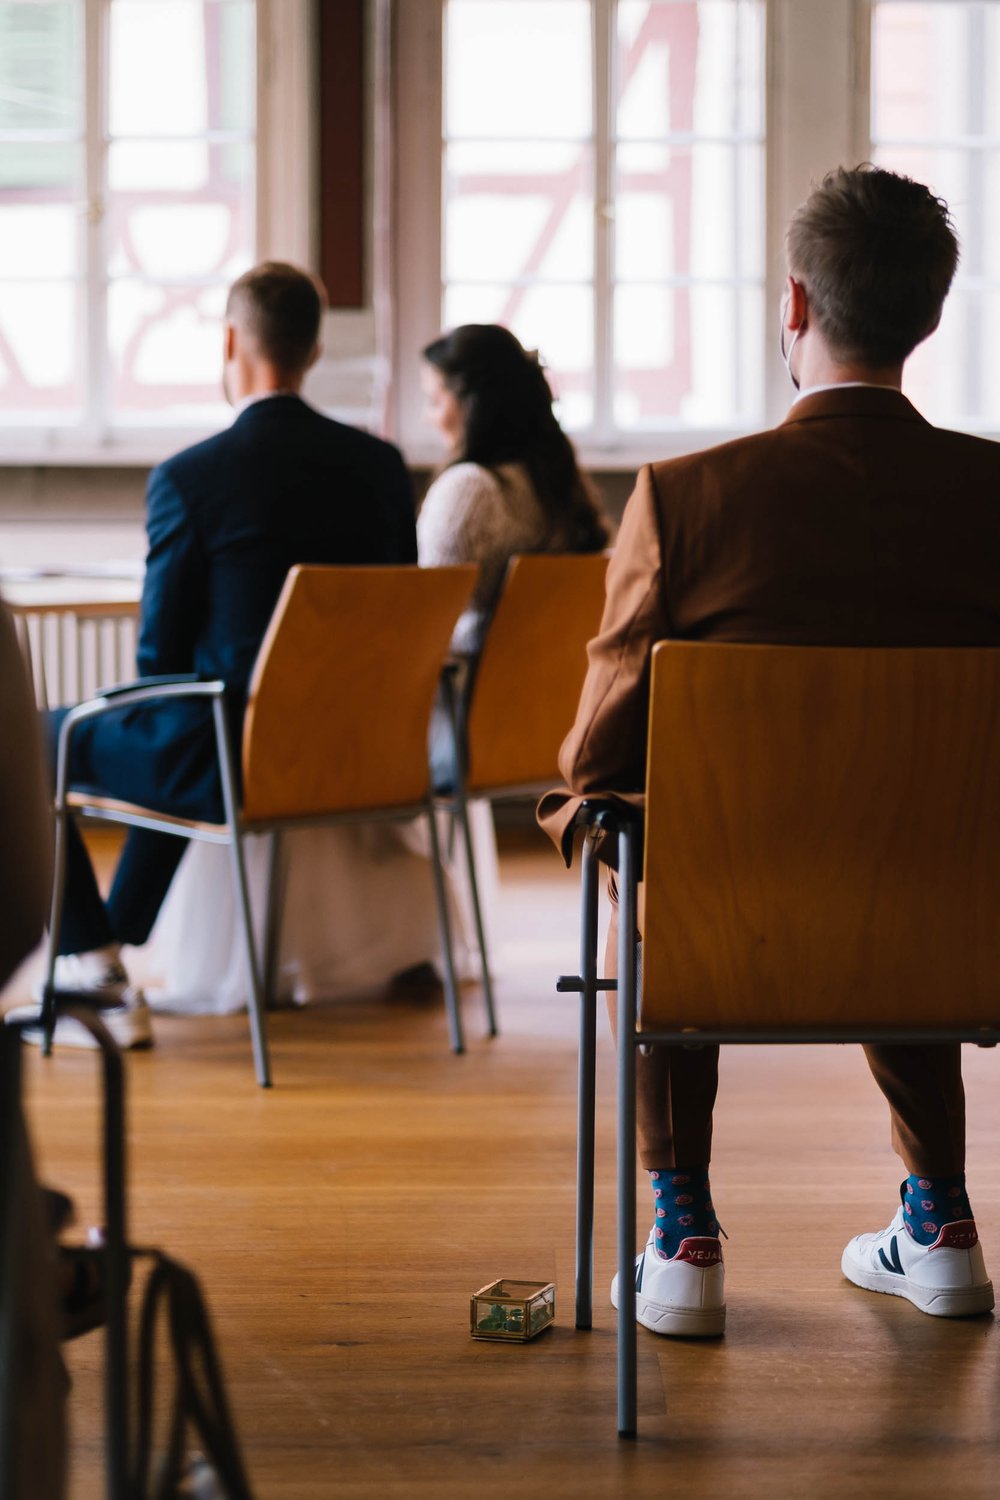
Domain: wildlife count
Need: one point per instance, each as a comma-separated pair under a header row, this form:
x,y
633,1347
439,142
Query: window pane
x,y
689,214
935,117
180,209
41,226
518,211
38,240
686,355
557,321
518,69
40,82
518,182
689,211
181,67
690,67
39,343
166,351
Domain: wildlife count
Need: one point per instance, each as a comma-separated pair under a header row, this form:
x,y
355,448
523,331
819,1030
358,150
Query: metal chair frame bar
x,y
456,802
115,1250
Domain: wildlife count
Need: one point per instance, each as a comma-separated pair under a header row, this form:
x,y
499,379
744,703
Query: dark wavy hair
x,y
508,419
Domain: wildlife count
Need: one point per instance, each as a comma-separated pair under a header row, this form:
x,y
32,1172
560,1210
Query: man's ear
x,y
797,314
229,346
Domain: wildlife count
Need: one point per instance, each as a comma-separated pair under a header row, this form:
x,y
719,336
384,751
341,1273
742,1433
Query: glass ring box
x,y
512,1311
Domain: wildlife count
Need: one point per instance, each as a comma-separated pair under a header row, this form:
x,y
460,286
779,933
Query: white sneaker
x,y
683,1296
128,1022
81,977
947,1279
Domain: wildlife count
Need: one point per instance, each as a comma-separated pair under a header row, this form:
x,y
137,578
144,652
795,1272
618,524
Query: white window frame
x,y
284,222
816,117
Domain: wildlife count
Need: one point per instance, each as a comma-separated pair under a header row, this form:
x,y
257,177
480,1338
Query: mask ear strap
x,y
787,356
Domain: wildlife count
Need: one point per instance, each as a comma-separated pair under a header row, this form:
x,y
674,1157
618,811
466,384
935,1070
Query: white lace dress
x,y
472,514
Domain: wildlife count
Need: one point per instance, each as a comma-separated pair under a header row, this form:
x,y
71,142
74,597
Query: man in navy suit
x,y
226,519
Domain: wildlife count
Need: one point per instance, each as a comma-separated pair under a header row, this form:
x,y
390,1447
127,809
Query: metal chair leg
x,y
48,1016
116,1252
462,808
273,912
62,814
590,891
444,922
627,1374
258,1023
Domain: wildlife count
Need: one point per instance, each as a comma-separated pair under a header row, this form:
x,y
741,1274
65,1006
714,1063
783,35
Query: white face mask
x,y
786,354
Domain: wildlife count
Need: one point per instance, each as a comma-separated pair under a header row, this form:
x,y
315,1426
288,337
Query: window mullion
x,y
95,268
603,17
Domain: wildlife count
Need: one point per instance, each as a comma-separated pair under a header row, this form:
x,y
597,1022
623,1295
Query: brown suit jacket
x,y
854,522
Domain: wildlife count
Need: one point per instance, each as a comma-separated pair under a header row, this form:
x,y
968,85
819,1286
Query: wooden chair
x,y
509,726
335,731
821,837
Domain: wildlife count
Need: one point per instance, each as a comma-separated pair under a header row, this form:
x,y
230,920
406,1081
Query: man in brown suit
x,y
853,522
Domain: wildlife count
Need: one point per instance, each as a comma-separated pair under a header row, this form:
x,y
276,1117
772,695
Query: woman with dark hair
x,y
511,482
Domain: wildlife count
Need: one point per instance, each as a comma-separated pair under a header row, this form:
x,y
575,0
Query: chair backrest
x,y
342,689
822,837
532,667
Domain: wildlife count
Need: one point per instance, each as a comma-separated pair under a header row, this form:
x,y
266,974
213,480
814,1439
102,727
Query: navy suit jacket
x,y
226,519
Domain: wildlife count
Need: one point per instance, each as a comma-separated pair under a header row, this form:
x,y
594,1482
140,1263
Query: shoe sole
x,y
676,1322
937,1302
35,1038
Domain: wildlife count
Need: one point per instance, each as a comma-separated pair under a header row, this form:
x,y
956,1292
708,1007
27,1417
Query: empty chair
x,y
335,730
820,865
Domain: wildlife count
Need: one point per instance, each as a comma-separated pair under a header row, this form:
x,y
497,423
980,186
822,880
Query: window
x,y
602,183
936,116
128,177
613,178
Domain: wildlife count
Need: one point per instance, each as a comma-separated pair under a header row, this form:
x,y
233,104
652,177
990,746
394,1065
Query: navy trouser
x,y
108,756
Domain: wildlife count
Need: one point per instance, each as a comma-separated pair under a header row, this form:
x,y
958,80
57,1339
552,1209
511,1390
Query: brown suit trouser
x,y
676,1089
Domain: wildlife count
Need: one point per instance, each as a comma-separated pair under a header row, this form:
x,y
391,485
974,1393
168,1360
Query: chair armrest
x,y
124,695
144,690
163,680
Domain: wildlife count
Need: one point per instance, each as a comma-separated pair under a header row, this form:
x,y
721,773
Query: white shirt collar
x,y
844,385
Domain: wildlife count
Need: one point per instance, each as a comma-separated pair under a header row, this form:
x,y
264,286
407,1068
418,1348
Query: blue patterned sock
x,y
929,1203
682,1200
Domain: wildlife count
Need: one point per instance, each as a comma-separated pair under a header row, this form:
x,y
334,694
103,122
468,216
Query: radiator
x,y
73,650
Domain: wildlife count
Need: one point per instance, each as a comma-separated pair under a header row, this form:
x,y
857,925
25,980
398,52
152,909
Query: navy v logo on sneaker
x,y
947,1279
892,1261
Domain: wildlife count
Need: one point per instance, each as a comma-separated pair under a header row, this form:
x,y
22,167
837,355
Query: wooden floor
x,y
340,1221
